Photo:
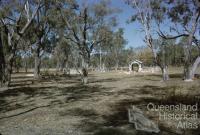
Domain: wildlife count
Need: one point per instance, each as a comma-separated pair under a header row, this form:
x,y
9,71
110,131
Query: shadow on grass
x,y
28,91
177,75
17,102
116,122
105,80
146,89
163,95
24,112
79,112
158,77
22,80
19,98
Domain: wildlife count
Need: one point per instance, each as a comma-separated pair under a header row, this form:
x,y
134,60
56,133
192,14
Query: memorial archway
x,y
135,66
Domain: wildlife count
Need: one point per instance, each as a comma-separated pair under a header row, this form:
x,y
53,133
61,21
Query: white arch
x,y
139,63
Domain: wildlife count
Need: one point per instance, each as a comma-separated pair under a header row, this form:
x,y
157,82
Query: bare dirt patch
x,y
61,105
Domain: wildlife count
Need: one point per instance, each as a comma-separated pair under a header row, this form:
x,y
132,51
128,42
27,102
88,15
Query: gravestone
x,y
136,116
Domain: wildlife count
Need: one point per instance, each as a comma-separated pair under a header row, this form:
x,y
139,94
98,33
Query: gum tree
x,y
12,30
144,15
84,24
183,17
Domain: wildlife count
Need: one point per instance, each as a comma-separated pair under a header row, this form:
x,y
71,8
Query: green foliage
x,y
18,62
69,30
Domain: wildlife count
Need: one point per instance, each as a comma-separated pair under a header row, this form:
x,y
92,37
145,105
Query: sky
x,y
132,32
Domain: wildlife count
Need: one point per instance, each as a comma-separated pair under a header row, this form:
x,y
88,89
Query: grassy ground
x,y
61,105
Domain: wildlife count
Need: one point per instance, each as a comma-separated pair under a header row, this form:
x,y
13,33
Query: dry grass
x,y
62,105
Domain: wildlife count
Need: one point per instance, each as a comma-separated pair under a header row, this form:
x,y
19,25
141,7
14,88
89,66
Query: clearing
x,y
61,105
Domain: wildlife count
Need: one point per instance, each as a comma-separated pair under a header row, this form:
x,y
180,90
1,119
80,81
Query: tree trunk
x,y
194,67
6,61
63,66
165,73
174,58
85,75
85,64
164,64
116,65
187,60
37,64
2,64
187,48
57,66
8,72
187,76
67,69
163,67
26,67
199,49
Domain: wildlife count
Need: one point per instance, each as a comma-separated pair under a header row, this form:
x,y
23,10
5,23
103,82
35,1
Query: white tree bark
x,y
165,73
85,64
194,67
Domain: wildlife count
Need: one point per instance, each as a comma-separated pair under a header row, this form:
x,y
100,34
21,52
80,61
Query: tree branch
x,y
69,27
30,21
161,34
72,40
95,43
